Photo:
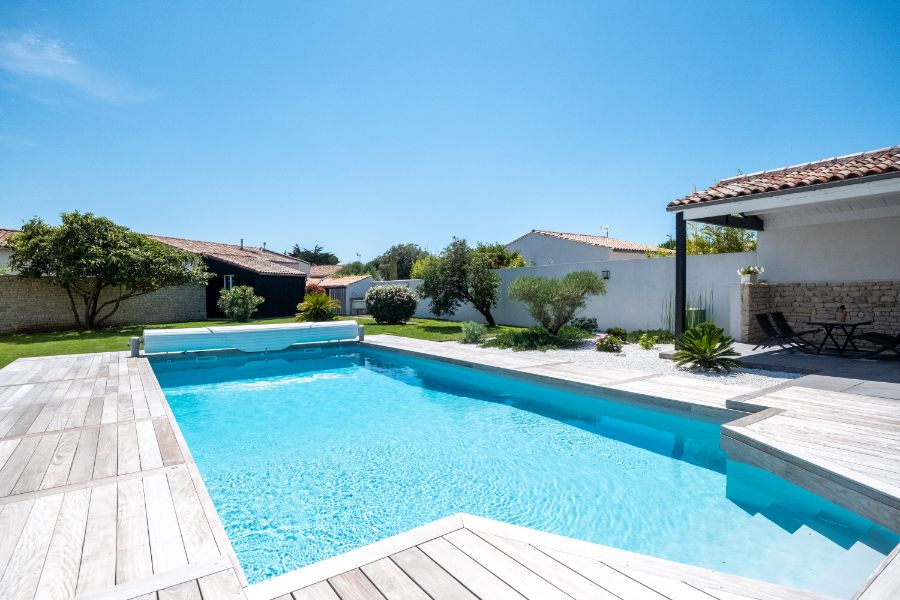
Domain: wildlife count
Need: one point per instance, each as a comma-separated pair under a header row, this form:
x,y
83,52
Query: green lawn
x,y
106,340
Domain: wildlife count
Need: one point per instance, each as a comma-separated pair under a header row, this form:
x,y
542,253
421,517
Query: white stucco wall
x,y
848,251
543,250
637,291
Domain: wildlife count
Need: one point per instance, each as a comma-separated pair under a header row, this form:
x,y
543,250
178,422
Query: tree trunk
x,y
74,308
486,313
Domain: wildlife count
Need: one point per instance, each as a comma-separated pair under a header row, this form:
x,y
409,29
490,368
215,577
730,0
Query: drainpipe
x,y
680,272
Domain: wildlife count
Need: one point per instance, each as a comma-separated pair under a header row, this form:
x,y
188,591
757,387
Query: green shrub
x,y
239,302
586,323
391,304
609,343
473,333
553,302
538,338
705,346
647,341
663,336
619,332
317,307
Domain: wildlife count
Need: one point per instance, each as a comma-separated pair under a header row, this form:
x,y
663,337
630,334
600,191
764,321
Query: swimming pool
x,y
308,454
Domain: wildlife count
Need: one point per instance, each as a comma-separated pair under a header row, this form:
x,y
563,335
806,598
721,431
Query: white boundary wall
x,y
636,292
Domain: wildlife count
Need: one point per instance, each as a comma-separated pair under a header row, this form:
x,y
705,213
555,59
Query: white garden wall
x,y
637,291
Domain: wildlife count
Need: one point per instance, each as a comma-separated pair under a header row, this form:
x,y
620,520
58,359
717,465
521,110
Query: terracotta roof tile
x,y
259,260
323,270
852,166
330,282
5,234
601,241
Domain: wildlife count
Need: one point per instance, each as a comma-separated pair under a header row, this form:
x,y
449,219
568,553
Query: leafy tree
x,y
239,302
705,238
316,256
357,268
669,244
421,266
99,264
553,302
397,261
460,274
499,257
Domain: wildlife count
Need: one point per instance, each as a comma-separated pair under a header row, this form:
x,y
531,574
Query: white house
x,y
828,235
539,248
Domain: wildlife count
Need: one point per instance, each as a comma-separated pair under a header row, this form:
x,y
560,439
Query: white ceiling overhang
x,y
874,198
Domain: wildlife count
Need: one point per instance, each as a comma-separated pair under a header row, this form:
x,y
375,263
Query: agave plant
x,y
317,307
705,346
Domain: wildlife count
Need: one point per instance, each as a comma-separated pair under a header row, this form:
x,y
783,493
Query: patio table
x,y
847,327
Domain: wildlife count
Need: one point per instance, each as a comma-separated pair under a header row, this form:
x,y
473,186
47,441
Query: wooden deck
x,y
844,447
99,497
464,557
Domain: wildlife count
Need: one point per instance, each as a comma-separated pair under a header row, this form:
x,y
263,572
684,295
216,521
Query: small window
x,y
229,282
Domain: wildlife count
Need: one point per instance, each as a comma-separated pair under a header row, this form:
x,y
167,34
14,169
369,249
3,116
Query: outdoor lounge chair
x,y
883,342
773,337
787,332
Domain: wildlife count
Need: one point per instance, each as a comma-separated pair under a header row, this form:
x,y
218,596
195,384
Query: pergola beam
x,y
751,222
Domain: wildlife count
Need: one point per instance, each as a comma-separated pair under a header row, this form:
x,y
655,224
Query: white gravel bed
x,y
633,357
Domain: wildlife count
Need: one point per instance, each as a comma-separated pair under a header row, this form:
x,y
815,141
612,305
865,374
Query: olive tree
x,y
459,274
99,264
553,302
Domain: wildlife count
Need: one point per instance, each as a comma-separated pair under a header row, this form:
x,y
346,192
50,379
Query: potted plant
x,y
750,273
840,314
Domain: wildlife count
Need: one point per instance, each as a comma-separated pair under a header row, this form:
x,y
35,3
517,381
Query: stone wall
x,y
33,305
802,302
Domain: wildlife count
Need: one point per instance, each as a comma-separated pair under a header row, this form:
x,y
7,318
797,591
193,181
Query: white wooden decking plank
x,y
110,411
166,546
317,591
133,559
98,561
148,448
354,585
168,445
58,471
12,521
24,569
7,447
189,590
94,412
37,466
607,577
125,408
223,585
196,532
569,581
128,453
83,461
392,582
60,574
468,571
429,576
520,578
106,461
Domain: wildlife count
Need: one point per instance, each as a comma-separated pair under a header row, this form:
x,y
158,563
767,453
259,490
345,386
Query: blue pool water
x,y
310,454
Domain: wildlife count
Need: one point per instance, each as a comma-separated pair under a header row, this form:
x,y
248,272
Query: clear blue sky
x,y
360,125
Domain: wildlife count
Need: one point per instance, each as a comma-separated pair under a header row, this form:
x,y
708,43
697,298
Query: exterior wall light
x,y
605,274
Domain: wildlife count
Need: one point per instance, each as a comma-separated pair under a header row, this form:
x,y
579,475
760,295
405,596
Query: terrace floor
x,y
100,498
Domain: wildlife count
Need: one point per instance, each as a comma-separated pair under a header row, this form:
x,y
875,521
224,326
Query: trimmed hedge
x,y
391,304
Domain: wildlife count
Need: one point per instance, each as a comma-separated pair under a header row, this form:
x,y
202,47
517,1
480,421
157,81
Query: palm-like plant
x,y
317,307
705,346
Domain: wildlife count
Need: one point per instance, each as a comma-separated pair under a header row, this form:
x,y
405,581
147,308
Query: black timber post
x,y
680,272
